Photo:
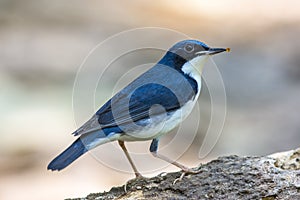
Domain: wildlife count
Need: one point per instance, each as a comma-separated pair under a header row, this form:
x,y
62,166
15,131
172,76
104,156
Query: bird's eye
x,y
189,48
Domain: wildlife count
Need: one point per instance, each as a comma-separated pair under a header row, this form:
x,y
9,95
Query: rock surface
x,y
229,177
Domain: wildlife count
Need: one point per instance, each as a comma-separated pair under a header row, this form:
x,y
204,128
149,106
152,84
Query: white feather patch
x,y
194,67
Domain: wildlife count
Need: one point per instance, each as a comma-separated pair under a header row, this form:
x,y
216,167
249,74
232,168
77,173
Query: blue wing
x,y
138,106
133,103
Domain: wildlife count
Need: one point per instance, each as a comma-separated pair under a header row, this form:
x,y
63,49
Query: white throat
x,y
194,68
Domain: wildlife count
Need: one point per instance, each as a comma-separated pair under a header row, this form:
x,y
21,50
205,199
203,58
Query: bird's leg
x,y
186,170
122,145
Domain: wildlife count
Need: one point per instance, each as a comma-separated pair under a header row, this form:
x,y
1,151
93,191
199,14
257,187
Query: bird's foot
x,y
186,171
137,177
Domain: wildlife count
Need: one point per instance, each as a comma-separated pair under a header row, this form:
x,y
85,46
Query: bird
x,y
149,107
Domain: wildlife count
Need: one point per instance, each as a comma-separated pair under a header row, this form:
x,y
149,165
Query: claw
x,y
185,172
180,178
125,187
136,178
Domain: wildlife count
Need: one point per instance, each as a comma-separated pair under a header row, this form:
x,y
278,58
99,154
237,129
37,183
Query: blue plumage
x,y
160,95
68,156
173,83
132,104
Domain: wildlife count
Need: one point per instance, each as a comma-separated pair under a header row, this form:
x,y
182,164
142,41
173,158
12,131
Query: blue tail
x,y
68,156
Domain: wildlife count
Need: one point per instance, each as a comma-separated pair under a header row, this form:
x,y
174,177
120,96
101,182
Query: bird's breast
x,y
161,124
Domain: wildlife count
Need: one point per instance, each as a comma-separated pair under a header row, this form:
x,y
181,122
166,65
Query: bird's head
x,y
191,51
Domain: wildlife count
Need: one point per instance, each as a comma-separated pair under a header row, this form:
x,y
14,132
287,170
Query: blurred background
x,y
43,43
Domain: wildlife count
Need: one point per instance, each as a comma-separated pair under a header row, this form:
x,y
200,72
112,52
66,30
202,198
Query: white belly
x,y
161,124
178,116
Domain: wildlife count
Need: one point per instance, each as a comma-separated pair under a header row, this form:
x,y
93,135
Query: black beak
x,y
213,51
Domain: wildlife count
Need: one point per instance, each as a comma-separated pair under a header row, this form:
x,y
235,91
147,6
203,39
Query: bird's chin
x,y
199,61
195,66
